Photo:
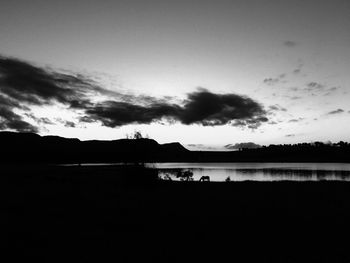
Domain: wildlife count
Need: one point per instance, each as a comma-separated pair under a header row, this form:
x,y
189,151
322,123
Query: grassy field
x,y
123,214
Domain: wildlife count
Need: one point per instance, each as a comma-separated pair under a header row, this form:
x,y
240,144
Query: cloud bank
x,y
23,85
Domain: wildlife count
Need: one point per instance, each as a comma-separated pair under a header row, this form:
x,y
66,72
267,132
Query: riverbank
x,y
126,215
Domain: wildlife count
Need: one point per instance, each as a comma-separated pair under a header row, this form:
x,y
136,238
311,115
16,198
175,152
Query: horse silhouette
x,y
204,178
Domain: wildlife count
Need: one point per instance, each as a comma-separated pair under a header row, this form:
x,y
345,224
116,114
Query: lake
x,y
259,171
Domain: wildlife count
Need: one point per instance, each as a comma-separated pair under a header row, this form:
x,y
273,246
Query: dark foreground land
x,y
123,214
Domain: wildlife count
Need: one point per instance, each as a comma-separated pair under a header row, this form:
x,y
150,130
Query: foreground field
x,y
123,214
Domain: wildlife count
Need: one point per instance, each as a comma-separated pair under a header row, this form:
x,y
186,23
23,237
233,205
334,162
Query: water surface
x,y
259,171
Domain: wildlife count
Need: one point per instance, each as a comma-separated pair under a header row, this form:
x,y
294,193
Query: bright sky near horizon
x,y
204,73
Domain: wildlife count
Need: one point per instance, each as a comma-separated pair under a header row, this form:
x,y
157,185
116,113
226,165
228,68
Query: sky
x,y
208,74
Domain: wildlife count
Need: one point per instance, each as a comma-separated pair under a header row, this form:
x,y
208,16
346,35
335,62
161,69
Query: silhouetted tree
x,y
185,176
137,135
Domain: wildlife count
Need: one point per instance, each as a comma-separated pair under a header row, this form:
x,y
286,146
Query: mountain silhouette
x,y
30,147
33,148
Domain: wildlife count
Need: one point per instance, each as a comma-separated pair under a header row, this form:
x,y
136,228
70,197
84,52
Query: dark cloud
x,y
9,120
243,145
113,113
26,83
289,43
335,112
208,108
200,107
23,85
12,121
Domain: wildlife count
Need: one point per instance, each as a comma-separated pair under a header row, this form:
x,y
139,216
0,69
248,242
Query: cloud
x,y
318,88
331,91
338,111
69,124
314,86
201,107
298,71
289,43
243,145
277,107
45,120
29,84
9,119
114,113
23,85
290,135
13,121
208,108
295,98
296,120
271,81
281,78
312,89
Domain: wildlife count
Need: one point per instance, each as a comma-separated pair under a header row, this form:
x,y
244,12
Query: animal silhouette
x,y
204,178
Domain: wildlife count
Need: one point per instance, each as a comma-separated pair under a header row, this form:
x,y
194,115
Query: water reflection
x,y
260,172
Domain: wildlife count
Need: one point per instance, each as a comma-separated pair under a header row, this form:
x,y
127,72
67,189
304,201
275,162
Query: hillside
x,y
29,147
33,148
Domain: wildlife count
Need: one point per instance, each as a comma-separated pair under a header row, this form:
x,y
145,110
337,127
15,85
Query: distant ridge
x,y
33,148
173,146
30,147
